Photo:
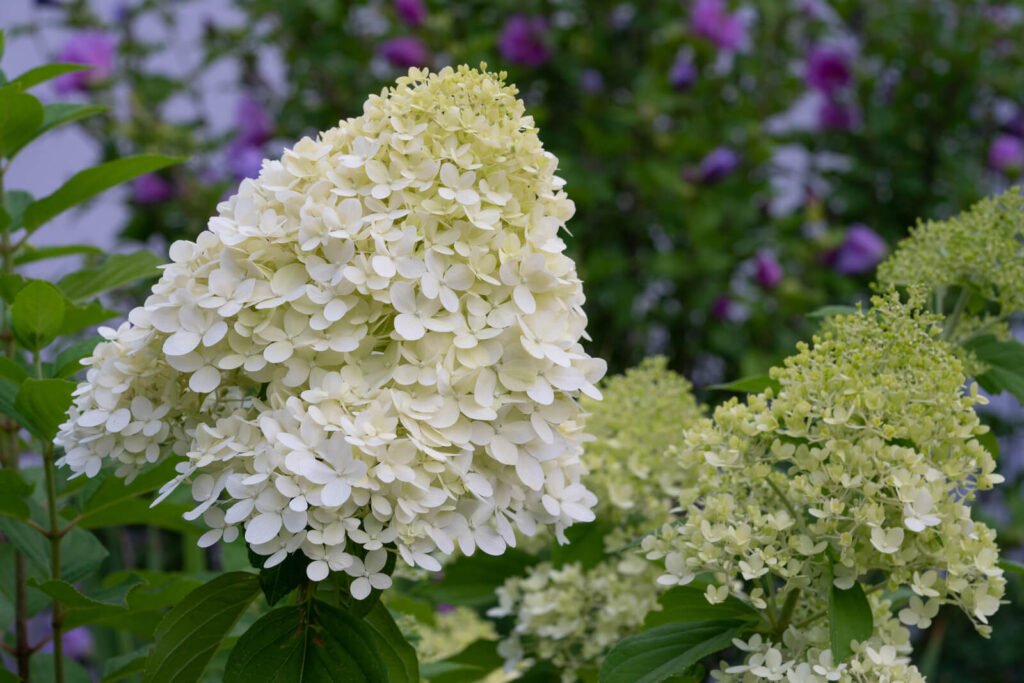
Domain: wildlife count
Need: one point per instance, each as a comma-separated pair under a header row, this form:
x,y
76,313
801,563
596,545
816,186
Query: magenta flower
x,y
683,73
711,19
828,69
1006,154
412,12
404,52
767,269
837,115
862,249
93,48
151,189
255,126
523,41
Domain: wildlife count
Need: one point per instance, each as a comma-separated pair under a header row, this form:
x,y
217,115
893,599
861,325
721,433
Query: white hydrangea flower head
x,y
375,343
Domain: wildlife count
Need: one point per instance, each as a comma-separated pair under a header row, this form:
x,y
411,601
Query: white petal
x,y
317,571
360,588
204,380
409,327
181,342
262,528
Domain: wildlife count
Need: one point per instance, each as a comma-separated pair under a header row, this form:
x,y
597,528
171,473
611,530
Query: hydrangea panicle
x,y
375,343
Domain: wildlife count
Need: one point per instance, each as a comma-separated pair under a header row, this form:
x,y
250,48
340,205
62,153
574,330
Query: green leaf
x,y
81,553
1011,566
78,318
473,663
71,598
749,385
13,491
991,443
1005,361
88,183
116,271
189,636
42,670
7,677
12,370
30,254
280,580
37,314
829,311
62,113
8,395
849,619
330,646
585,546
20,117
15,203
10,285
687,603
122,666
398,655
44,403
114,490
69,361
470,581
665,651
46,72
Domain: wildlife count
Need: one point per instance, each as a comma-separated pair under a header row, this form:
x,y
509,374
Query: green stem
x,y
57,615
954,317
787,611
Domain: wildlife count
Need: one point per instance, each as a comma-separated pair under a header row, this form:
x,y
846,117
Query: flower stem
x,y
954,317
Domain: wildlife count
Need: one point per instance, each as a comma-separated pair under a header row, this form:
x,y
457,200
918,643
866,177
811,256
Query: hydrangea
x,y
978,249
375,344
572,615
861,467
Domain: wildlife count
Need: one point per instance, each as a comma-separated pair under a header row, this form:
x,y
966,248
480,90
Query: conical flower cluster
x,y
375,344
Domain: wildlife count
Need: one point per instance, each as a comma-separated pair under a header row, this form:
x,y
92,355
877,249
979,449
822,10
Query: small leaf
x,y
665,651
13,491
46,72
116,271
1011,566
849,619
71,598
687,603
189,636
15,203
122,666
749,385
398,655
473,663
1005,361
10,285
31,254
280,580
12,370
81,553
78,318
62,113
325,646
20,117
37,314
829,311
69,361
44,403
88,183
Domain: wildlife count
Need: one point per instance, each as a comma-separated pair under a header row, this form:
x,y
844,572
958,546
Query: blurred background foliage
x,y
735,164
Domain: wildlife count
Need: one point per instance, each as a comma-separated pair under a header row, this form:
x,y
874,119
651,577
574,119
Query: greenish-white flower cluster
x,y
572,615
860,468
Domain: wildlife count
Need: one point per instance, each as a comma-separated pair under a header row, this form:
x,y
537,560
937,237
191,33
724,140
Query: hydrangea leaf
x,y
849,619
665,651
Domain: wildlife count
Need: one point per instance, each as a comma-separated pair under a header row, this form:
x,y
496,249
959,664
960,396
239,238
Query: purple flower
x,y
767,269
727,309
837,115
860,252
523,41
828,69
710,19
412,12
89,47
1006,154
244,160
591,81
151,189
404,52
254,124
683,73
715,167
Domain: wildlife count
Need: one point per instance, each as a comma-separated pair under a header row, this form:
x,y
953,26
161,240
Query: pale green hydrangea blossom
x,y
571,615
862,465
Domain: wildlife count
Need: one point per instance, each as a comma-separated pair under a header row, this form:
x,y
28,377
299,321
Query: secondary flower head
x,y
523,41
1006,154
92,48
718,165
712,20
374,345
404,52
412,12
861,250
767,269
828,69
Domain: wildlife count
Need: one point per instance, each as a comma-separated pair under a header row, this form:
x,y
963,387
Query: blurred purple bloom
x,y
722,308
78,642
412,12
151,189
591,81
444,608
404,52
711,19
244,160
837,115
94,48
860,252
715,167
1006,154
523,41
683,73
767,269
828,69
254,124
